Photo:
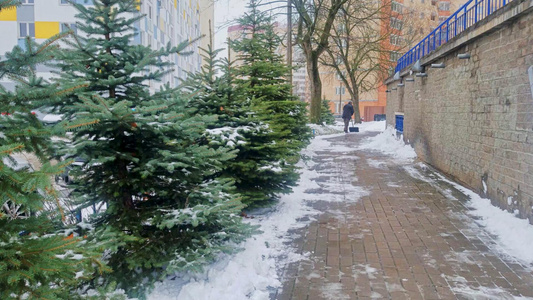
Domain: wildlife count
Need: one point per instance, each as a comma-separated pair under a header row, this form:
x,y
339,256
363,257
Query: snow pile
x,y
387,143
253,272
514,235
338,127
372,126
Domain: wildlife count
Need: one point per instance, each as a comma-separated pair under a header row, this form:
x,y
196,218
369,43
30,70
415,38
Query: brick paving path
x,y
408,239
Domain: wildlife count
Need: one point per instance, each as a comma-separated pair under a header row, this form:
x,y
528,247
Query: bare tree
x,y
313,32
366,40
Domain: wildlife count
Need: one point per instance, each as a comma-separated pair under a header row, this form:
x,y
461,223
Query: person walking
x,y
347,113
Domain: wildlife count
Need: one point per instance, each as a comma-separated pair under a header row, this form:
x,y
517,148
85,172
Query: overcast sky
x,y
227,11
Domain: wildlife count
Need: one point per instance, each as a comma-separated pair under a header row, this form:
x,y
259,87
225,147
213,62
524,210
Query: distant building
x,y
166,21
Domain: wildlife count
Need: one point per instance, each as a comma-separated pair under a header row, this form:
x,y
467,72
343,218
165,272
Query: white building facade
x,y
166,21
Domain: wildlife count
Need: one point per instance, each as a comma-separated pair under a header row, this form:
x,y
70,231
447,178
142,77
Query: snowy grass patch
x,y
387,143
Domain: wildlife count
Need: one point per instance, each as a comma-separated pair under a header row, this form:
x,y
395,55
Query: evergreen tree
x,y
40,257
326,116
147,159
265,164
213,92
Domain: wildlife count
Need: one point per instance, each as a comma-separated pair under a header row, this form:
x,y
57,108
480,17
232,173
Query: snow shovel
x,y
353,128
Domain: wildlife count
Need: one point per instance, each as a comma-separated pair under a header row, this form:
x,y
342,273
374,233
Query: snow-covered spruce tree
x,y
213,91
146,160
265,164
40,257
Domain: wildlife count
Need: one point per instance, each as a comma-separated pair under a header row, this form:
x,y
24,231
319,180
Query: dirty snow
x,y
463,288
514,235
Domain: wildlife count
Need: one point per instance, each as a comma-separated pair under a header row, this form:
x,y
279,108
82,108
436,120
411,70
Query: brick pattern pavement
x,y
407,239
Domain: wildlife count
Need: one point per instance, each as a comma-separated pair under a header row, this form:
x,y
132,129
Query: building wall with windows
x,y
166,21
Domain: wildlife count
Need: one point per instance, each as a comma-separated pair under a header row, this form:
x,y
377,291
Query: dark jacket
x,y
347,111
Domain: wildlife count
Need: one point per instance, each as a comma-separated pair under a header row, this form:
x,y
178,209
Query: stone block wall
x,y
474,119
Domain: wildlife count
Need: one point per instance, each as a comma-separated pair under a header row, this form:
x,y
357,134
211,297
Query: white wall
x,y
8,33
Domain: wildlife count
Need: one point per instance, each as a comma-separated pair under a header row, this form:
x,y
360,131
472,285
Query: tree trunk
x,y
357,113
127,199
354,92
316,87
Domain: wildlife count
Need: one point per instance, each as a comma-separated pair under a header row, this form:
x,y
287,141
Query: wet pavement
x,y
405,238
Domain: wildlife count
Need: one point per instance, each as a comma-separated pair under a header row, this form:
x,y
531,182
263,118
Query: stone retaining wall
x,y
474,119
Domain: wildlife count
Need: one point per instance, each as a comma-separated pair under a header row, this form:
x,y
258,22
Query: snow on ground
x,y
253,272
514,235
387,143
464,289
325,129
372,126
338,127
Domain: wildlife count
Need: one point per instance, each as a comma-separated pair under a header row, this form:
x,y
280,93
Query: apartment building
x,y
166,21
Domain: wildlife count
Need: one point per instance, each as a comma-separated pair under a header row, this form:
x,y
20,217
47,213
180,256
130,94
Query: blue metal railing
x,y
467,15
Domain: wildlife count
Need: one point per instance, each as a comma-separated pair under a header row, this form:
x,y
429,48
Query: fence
x,y
467,15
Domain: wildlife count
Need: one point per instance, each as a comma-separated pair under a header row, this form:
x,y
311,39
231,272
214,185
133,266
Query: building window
x,y
433,16
73,27
149,12
341,28
340,90
397,7
434,2
396,39
64,2
394,55
396,23
27,2
338,75
421,15
27,29
444,6
442,19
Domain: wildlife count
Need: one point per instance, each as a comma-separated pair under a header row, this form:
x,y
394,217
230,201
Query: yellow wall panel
x,y
175,3
161,24
45,30
9,14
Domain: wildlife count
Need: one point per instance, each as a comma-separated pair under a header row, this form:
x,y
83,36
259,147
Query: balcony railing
x,y
466,16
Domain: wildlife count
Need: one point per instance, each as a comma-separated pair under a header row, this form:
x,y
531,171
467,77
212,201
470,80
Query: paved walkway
x,y
408,239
